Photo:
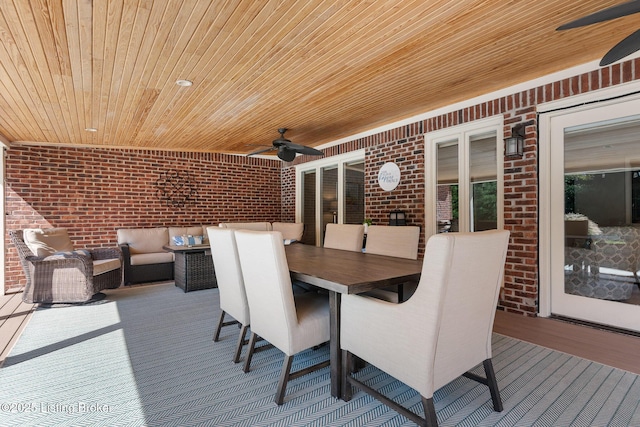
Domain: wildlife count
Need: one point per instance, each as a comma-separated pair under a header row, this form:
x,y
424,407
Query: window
x,y
464,178
327,191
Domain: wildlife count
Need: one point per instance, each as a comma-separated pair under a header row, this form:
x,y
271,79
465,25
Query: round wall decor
x,y
389,176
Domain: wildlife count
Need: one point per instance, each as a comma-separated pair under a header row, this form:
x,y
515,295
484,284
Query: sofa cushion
x,y
105,265
151,258
144,240
255,226
47,241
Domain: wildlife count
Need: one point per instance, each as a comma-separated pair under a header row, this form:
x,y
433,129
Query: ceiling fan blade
x,y
626,47
302,149
613,12
264,150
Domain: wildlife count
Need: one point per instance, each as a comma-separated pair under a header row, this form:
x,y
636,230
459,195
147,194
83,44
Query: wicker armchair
x,y
68,277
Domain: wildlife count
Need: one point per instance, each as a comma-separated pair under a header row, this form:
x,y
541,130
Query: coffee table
x,y
193,267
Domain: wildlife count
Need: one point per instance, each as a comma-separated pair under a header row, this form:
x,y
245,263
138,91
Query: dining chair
x,y
348,237
442,332
290,323
401,242
233,297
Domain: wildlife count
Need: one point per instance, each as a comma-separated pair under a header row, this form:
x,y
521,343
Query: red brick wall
x,y
92,192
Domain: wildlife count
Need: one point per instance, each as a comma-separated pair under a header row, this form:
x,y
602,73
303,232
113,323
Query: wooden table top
x,y
349,272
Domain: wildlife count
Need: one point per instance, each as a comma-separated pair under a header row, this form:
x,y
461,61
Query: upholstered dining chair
x,y
233,297
401,242
348,237
291,231
290,323
445,326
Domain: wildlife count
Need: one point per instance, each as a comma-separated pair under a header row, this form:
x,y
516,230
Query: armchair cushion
x,y
44,242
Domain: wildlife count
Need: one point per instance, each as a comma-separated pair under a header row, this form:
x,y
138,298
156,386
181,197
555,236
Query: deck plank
x,y
14,316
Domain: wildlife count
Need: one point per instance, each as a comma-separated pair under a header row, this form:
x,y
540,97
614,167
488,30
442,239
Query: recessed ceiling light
x,y
184,83
91,129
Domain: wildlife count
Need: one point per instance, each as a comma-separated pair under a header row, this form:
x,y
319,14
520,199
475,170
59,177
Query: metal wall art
x,y
177,188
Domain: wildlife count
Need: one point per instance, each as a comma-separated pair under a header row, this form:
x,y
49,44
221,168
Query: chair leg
x,y
492,382
252,344
243,332
284,378
216,336
347,369
429,412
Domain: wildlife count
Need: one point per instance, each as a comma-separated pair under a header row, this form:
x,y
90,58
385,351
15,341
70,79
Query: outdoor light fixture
x,y
397,218
514,145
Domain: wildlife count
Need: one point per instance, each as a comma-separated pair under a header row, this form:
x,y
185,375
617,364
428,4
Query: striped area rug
x,y
144,356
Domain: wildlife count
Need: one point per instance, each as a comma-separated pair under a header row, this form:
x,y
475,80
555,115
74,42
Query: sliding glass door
x,y
329,191
594,227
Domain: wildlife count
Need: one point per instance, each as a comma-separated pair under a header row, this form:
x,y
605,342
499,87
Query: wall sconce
x,y
397,218
514,145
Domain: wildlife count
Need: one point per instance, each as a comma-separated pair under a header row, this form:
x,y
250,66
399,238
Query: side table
x,y
193,267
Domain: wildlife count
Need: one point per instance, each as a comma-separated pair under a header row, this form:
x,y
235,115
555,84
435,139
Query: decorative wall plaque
x,y
176,188
389,176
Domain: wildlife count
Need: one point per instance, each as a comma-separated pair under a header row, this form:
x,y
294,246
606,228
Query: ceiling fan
x,y
628,45
286,149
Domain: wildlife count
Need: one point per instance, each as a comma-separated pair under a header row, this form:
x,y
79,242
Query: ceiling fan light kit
x,y
287,150
624,48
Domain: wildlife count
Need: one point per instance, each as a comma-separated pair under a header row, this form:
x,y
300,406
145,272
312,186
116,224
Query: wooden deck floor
x,y
14,316
609,348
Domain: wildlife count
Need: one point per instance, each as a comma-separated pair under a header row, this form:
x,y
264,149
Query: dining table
x,y
346,272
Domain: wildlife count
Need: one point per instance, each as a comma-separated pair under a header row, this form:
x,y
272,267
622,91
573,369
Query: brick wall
x,y
92,192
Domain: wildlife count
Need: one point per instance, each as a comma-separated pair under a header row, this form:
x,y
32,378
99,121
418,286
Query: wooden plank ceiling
x,y
324,69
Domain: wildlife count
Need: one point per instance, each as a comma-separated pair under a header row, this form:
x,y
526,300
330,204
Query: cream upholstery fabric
x,y
444,329
152,258
348,237
43,242
101,266
257,226
291,326
401,242
289,230
144,240
233,297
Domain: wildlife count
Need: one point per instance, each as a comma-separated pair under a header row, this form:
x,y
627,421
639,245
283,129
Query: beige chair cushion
x,y
144,240
152,258
401,242
348,237
44,242
256,226
105,265
289,230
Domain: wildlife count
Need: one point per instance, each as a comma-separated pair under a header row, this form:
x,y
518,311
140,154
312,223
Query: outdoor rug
x,y
145,356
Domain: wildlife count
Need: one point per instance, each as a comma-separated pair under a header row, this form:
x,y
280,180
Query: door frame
x,y
551,233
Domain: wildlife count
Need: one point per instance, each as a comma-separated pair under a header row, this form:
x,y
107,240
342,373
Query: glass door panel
x,y
309,207
602,243
447,187
329,196
354,192
483,177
